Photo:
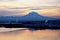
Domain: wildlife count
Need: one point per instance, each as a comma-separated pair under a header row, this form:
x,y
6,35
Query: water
x,y
26,34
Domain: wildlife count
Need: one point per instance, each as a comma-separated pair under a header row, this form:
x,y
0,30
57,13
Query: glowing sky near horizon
x,y
22,7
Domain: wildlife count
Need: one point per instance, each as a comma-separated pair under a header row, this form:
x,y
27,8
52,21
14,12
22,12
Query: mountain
x,y
32,16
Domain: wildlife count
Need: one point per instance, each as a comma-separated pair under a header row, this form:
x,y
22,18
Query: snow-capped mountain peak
x,y
33,14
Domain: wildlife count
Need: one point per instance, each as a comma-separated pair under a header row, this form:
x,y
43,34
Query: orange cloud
x,y
49,12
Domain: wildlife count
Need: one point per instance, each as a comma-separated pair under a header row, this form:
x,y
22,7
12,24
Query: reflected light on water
x,y
31,35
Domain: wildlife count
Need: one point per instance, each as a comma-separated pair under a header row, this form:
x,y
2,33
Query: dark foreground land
x,y
29,26
54,24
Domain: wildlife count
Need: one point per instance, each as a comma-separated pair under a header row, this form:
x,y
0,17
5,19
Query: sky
x,y
23,7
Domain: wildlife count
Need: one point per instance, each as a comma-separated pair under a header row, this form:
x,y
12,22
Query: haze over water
x,y
26,34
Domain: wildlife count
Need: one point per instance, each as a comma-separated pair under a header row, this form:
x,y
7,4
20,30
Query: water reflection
x,y
30,35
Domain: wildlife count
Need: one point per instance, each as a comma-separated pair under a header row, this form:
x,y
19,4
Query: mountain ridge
x,y
31,16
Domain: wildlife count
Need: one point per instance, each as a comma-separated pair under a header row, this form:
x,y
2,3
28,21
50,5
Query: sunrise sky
x,y
23,7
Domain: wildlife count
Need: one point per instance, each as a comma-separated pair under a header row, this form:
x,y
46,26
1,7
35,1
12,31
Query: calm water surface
x,y
26,34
